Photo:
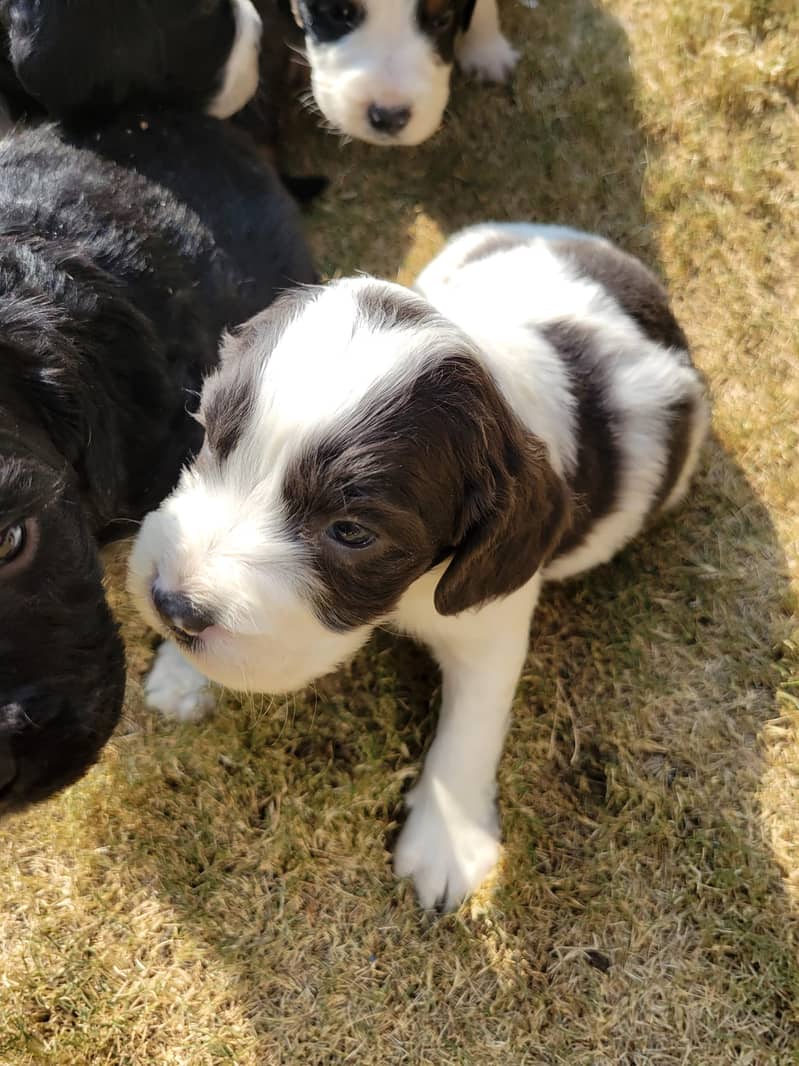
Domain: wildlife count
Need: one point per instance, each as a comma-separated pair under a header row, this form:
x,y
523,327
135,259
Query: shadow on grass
x,y
638,915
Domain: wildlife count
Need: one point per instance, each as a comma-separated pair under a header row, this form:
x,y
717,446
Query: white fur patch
x,y
450,841
448,845
483,51
175,689
241,77
488,60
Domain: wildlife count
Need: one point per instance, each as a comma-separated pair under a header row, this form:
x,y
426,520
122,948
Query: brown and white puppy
x,y
380,69
423,461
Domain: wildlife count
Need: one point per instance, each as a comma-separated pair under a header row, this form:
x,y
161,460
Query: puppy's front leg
x,y
175,689
450,841
483,50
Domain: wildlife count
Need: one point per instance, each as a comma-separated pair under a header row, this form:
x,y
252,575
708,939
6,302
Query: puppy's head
x,y
354,446
380,69
61,660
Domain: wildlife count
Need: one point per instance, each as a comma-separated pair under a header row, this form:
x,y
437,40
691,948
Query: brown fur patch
x,y
595,482
436,467
683,416
635,288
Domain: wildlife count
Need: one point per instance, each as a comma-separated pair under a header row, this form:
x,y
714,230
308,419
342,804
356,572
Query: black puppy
x,y
123,256
88,58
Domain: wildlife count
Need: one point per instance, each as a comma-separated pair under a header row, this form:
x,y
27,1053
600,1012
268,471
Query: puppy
x,y
422,461
380,69
123,256
89,58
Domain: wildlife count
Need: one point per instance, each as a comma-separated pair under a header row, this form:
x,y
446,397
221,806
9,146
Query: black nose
x,y
179,612
8,766
388,119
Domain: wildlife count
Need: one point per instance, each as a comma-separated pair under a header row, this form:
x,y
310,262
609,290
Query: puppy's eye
x,y
351,535
12,542
343,13
439,23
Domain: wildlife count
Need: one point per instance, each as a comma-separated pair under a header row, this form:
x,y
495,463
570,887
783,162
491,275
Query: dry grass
x,y
223,893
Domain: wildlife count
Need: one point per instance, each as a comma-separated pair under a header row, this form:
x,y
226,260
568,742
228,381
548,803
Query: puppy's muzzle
x,y
180,613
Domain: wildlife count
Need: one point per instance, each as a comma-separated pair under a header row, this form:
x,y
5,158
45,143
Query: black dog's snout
x,y
388,119
180,613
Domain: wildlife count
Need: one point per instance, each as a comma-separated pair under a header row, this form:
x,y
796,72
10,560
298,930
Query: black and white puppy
x,y
91,57
380,69
123,257
422,461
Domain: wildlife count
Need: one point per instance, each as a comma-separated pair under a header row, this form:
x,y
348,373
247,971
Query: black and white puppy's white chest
x,y
380,69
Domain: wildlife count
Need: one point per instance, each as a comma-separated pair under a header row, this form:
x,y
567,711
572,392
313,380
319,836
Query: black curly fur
x,y
123,255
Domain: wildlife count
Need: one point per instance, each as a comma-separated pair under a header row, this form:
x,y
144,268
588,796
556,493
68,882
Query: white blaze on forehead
x,y
337,353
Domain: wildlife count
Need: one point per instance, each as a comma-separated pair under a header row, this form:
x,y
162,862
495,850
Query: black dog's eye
x,y
351,535
12,541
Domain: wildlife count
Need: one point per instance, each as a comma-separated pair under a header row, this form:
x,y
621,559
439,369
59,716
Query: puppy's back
x,y
586,349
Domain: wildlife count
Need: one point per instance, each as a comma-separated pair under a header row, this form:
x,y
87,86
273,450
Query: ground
x,y
223,893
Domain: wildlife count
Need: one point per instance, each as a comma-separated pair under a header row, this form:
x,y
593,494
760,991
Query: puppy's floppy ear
x,y
514,511
466,15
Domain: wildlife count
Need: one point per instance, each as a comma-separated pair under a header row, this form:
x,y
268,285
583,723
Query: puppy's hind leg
x,y
483,50
450,841
175,689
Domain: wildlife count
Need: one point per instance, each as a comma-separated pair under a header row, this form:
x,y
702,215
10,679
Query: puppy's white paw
x,y
448,845
175,689
491,59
